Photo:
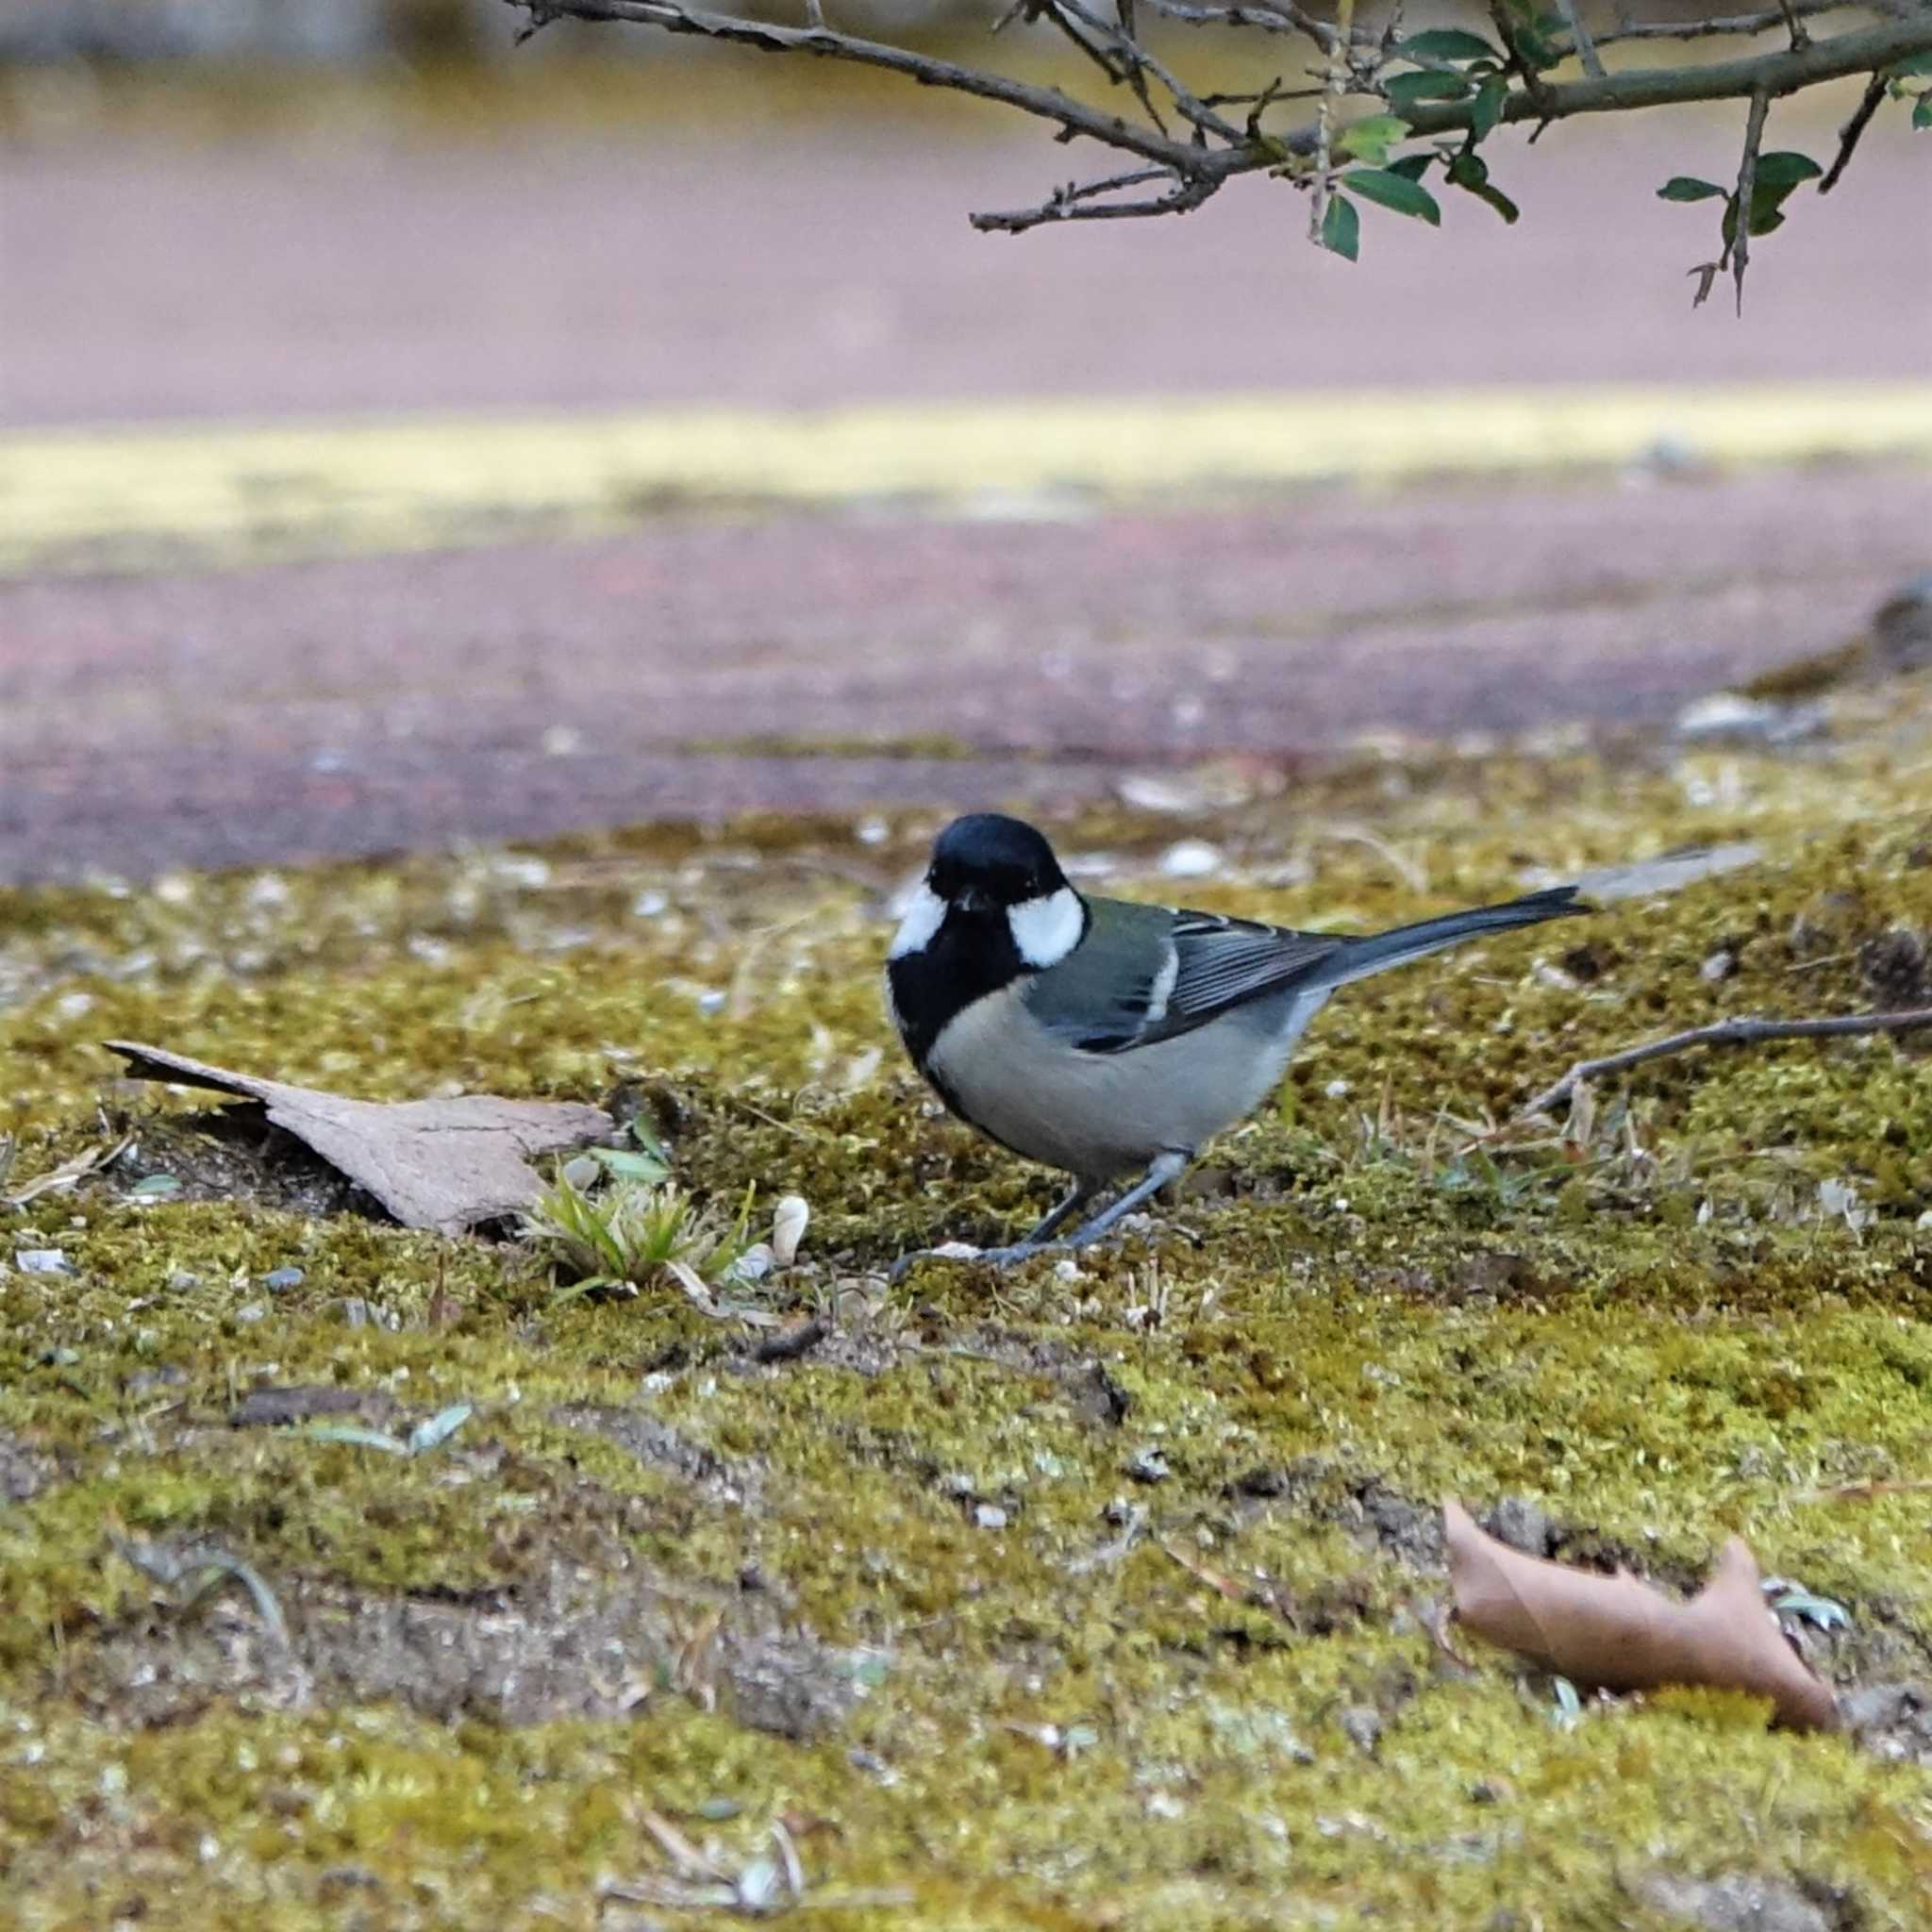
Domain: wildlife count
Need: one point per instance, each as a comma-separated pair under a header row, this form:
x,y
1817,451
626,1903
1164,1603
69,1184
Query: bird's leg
x,y
1161,1169
1078,1197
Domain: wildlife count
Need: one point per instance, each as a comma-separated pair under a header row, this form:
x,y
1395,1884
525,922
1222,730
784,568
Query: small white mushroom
x,y
790,1220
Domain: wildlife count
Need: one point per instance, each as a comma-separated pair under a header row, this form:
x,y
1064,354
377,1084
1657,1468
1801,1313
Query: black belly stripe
x,y
972,955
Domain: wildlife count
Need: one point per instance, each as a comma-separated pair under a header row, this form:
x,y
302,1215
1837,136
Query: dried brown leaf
x,y
1619,1634
445,1165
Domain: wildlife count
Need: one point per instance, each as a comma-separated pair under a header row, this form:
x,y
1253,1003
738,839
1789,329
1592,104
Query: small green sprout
x,y
634,1235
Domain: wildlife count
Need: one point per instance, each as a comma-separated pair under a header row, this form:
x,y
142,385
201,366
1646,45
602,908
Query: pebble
x,y
990,1516
44,1262
1191,859
280,1279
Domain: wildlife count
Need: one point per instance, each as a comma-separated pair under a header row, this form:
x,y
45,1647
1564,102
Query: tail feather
x,y
1360,957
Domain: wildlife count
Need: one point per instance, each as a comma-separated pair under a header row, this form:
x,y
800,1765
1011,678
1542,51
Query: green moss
x,y
1227,1711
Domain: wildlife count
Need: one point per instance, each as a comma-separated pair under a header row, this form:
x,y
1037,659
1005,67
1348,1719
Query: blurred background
x,y
401,435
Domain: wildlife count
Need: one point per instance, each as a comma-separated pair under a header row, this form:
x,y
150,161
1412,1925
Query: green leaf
x,y
1783,168
1921,112
590,1283
1689,188
1913,63
1471,171
1397,192
1776,176
1368,139
1405,89
1413,167
1534,34
354,1434
1446,43
437,1429
628,1166
1341,229
1491,97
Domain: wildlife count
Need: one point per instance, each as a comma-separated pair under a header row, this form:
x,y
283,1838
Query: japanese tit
x,y
1105,1037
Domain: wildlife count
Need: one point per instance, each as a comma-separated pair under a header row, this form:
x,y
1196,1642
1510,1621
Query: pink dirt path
x,y
697,668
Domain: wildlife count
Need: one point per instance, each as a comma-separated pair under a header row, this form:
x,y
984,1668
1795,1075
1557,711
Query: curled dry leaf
x,y
445,1165
790,1220
1619,1634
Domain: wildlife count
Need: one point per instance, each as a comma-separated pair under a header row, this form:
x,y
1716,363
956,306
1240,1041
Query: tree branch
x,y
1075,118
1220,151
1848,135
1747,182
1724,1033
1078,204
1862,50
1580,37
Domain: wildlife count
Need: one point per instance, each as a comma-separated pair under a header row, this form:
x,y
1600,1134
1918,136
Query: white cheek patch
x,y
924,918
1045,930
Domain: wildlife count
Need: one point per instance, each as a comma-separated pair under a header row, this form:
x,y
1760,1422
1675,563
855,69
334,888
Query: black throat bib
x,y
972,955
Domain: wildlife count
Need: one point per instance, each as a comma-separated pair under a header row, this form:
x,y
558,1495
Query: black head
x,y
995,907
986,862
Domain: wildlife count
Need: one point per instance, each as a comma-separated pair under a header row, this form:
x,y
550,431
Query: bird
x,y
1110,1038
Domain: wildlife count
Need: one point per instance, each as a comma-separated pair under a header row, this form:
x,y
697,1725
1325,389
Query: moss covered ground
x,y
1066,1598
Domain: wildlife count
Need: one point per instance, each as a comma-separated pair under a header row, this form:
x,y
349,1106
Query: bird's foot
x,y
971,1257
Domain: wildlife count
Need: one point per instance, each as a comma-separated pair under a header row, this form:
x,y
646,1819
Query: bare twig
x,y
1739,248
1742,1032
1130,53
1758,22
1334,85
1078,203
1580,38
1794,25
1075,118
1270,16
1848,135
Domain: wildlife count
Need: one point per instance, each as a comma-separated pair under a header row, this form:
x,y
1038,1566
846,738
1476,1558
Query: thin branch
x,y
1725,1033
1864,50
1131,52
1794,25
1078,203
1075,118
1128,71
1572,11
1848,135
1334,85
1270,16
1759,23
1740,250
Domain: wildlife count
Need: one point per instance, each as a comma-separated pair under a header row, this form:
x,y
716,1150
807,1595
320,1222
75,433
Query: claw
x,y
957,1251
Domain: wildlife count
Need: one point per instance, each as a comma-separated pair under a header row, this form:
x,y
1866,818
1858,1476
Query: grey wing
x,y
1147,974
1223,962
